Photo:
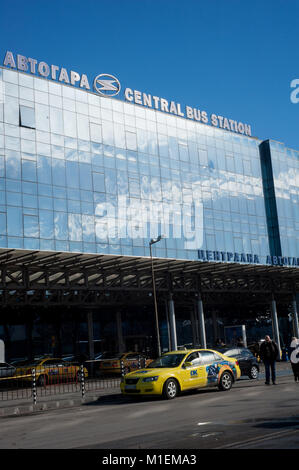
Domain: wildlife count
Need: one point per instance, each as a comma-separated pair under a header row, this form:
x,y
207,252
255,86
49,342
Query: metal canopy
x,y
49,272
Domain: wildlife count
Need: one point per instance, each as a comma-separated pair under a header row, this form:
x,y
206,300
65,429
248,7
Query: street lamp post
x,y
155,240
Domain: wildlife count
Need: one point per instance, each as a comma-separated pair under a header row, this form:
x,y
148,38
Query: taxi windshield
x,y
167,360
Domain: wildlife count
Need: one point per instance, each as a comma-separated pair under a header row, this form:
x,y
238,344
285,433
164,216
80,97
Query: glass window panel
x,y
14,221
73,206
2,223
11,111
45,202
29,188
75,227
95,132
61,226
13,164
60,205
70,123
72,174
56,120
26,94
107,130
88,228
2,165
29,201
27,117
119,135
87,208
28,170
46,224
83,127
98,182
31,227
42,117
28,146
44,170
55,101
110,181
58,172
47,245
10,76
41,98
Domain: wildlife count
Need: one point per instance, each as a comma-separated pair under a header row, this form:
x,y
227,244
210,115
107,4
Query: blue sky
x,y
233,58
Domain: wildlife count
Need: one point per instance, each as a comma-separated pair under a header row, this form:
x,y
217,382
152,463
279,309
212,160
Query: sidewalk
x,y
23,406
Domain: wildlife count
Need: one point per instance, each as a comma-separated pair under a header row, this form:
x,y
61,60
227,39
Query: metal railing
x,y
37,382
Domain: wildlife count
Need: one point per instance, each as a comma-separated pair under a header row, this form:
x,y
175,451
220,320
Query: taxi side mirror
x,y
187,365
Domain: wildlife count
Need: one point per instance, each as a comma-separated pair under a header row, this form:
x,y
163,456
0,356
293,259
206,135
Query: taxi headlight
x,y
150,379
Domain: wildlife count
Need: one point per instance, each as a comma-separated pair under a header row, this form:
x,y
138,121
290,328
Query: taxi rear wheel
x,y
170,389
226,381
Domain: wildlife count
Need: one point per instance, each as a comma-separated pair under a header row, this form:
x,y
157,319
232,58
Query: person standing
x,y
268,354
294,357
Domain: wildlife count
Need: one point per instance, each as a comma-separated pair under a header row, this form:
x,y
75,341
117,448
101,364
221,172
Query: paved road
x,y
251,415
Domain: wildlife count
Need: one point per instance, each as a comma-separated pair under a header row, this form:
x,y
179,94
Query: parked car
x,y
247,361
49,370
92,365
111,363
6,370
181,370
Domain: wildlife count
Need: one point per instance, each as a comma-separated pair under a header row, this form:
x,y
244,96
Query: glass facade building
x,y
84,173
68,154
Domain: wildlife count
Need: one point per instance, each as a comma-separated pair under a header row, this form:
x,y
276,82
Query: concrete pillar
x,y
215,325
120,339
201,319
295,318
172,324
90,335
168,326
275,327
194,327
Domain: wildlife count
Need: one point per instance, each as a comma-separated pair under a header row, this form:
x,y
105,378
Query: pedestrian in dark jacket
x,y
294,357
268,354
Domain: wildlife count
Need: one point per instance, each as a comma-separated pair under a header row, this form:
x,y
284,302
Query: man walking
x,y
268,354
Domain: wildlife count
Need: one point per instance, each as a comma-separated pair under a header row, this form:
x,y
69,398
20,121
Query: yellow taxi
x,y
114,363
177,371
49,370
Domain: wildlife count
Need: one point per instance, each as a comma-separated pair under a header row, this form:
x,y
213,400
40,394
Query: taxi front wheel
x,y
170,389
226,381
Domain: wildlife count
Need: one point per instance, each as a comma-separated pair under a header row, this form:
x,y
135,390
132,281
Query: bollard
x,y
34,386
82,381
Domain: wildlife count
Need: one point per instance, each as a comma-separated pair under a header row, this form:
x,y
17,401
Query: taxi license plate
x,y
130,387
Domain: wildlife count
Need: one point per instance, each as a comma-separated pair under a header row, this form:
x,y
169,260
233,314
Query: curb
x,y
19,410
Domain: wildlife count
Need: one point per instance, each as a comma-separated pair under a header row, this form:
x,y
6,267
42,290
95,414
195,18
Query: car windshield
x,y
167,360
29,362
227,352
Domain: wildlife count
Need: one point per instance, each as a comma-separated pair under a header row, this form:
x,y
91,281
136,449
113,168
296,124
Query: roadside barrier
x,y
33,383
